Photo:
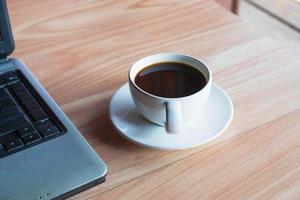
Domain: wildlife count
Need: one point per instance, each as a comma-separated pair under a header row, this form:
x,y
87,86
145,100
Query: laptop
x,y
42,154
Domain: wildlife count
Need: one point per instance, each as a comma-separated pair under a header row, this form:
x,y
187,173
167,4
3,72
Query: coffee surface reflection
x,y
170,80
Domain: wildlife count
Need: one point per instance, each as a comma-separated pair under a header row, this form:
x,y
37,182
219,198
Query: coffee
x,y
170,80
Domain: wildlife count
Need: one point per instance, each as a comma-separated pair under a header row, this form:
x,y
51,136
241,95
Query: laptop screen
x,y
7,44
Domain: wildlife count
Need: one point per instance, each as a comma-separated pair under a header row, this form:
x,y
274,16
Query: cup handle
x,y
173,117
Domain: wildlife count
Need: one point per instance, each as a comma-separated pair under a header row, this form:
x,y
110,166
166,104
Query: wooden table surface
x,y
81,52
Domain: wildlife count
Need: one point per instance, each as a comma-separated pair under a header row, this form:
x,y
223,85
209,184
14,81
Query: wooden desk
x,y
81,52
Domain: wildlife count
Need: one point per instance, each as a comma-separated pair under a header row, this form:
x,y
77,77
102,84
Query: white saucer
x,y
216,117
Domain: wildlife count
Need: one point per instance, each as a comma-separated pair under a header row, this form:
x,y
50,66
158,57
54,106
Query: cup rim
x,y
171,98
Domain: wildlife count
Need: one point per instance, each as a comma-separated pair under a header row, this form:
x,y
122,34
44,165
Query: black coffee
x,y
170,79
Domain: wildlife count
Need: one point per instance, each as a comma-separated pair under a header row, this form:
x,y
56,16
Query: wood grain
x,y
286,10
81,52
253,165
271,26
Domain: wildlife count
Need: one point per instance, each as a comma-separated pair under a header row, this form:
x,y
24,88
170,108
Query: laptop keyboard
x,y
25,119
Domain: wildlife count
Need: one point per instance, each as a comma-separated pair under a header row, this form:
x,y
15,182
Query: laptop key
x,y
9,112
25,130
35,110
31,138
38,115
44,124
25,98
10,77
11,142
2,150
3,93
2,83
32,106
18,87
21,91
47,128
49,131
6,102
10,124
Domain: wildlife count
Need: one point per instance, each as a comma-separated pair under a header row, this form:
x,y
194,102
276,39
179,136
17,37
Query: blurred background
x,y
279,19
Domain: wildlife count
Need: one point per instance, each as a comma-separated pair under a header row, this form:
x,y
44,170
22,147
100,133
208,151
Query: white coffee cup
x,y
172,113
